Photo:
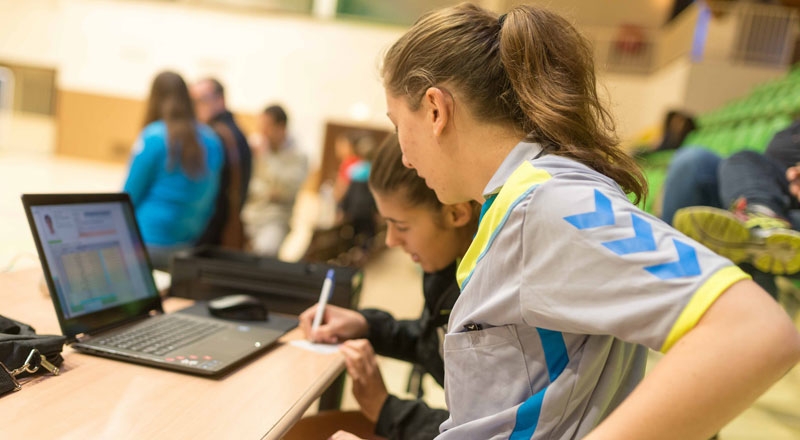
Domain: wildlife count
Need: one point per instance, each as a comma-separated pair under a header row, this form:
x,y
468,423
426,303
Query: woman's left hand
x,y
343,435
793,176
368,387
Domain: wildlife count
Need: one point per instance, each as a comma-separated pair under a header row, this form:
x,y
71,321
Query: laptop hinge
x,y
80,337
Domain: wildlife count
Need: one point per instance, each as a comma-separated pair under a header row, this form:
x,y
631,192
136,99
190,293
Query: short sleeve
x,y
596,264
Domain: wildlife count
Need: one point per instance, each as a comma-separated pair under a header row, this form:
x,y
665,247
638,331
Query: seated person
x,y
435,236
669,136
174,171
355,203
691,180
677,126
748,206
279,169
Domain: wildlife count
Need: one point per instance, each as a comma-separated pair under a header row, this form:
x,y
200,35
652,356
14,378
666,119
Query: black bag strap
x,y
11,327
17,339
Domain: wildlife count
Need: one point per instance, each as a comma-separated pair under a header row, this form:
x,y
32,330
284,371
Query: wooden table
x,y
103,398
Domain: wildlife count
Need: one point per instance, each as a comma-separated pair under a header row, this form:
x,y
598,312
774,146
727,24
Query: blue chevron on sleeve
x,y
642,241
686,266
603,215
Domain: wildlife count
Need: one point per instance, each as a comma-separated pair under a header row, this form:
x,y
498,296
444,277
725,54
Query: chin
x,y
443,197
451,199
430,268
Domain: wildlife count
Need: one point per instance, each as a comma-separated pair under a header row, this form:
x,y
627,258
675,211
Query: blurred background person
x,y
279,169
174,171
225,227
355,202
209,99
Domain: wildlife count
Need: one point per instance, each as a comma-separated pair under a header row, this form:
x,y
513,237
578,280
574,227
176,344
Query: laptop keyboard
x,y
160,336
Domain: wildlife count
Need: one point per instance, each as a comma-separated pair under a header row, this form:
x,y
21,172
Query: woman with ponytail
x,y
174,171
567,283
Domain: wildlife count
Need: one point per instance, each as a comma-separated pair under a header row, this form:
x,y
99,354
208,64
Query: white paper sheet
x,y
316,348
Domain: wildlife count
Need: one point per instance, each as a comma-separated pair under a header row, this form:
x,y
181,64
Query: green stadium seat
x,y
745,123
760,135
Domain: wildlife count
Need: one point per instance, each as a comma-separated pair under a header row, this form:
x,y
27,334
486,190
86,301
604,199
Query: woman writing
x,y
567,282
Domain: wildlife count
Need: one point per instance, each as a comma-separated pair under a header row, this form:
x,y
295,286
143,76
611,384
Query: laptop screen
x,y
93,258
95,261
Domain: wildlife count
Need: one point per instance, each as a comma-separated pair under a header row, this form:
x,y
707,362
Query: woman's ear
x,y
458,214
440,109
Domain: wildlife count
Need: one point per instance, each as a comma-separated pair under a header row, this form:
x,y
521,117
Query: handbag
x,y
18,343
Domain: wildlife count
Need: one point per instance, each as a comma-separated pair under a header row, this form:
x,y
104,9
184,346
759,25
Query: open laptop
x,y
100,279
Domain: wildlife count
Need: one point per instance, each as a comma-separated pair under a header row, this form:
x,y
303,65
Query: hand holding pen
x,y
324,295
336,324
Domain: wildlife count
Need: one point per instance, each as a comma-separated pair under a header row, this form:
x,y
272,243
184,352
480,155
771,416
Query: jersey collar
x,y
520,153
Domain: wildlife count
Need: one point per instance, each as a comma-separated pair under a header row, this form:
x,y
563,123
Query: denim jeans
x,y
697,177
691,181
759,179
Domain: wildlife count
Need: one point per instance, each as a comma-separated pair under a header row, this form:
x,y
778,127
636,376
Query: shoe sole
x,y
777,253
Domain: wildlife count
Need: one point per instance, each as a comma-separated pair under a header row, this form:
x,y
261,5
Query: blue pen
x,y
324,294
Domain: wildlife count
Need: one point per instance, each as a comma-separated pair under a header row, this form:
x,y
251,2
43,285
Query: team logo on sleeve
x,y
642,240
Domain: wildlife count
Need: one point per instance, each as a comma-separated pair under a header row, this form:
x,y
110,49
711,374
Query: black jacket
x,y
245,155
785,146
415,341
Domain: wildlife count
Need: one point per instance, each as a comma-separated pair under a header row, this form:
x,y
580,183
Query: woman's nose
x,y
392,239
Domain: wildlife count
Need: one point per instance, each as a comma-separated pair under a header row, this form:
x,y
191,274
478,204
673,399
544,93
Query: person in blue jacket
x,y
174,171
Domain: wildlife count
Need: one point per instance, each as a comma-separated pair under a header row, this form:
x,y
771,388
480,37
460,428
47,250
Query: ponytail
x,y
169,101
531,69
551,71
183,145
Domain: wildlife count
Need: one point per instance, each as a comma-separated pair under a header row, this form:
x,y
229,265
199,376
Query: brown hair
x,y
278,114
170,101
529,68
388,175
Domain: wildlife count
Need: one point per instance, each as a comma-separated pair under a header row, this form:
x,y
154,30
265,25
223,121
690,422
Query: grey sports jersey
x,y
562,289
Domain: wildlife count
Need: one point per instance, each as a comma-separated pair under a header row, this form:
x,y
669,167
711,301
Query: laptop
x,y
101,283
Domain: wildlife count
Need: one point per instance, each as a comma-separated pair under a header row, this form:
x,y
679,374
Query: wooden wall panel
x,y
105,127
248,122
97,127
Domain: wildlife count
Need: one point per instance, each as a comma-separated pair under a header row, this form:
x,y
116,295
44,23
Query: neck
x,y
484,147
218,114
278,144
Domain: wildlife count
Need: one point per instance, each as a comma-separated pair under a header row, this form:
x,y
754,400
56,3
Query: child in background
x,y
354,201
352,149
435,236
567,282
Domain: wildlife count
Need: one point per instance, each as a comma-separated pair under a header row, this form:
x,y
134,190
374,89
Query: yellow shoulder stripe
x,y
521,182
701,301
